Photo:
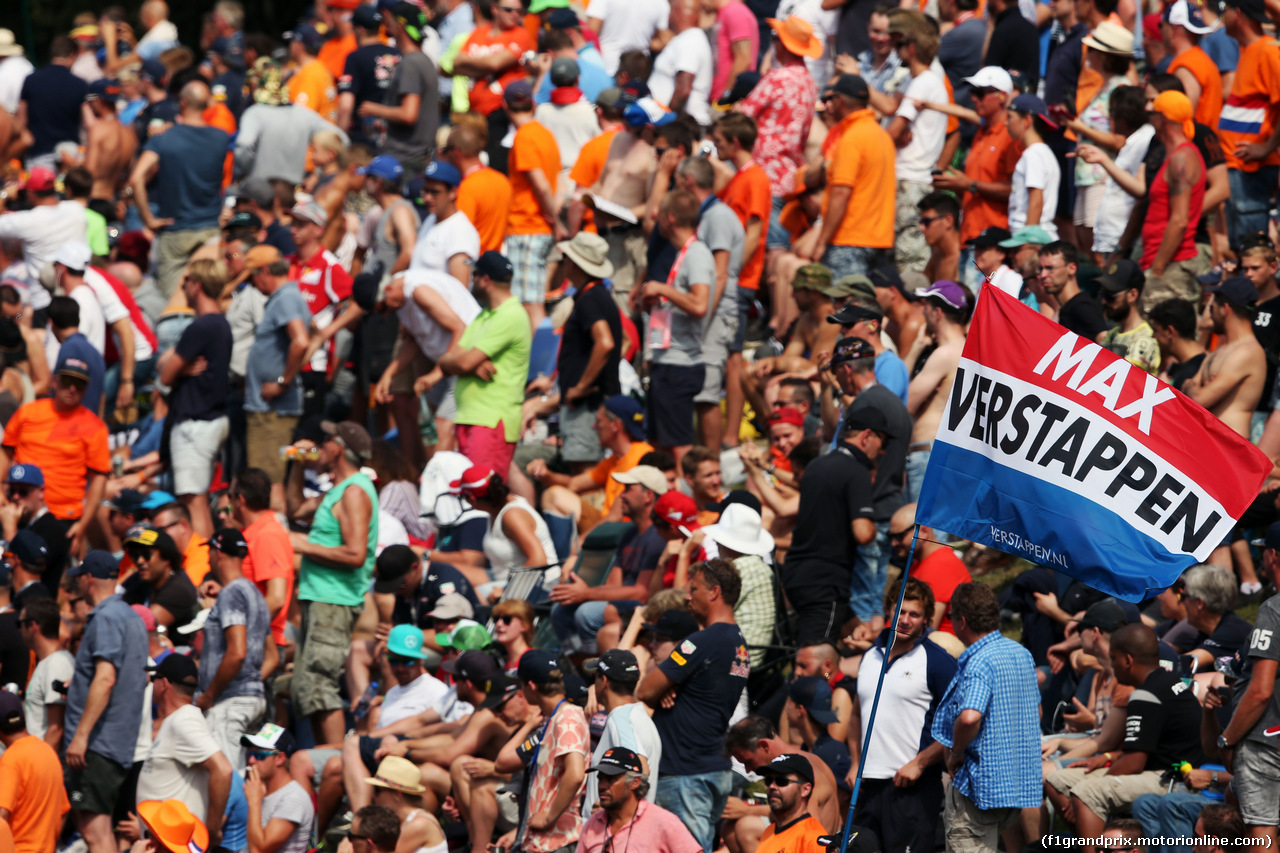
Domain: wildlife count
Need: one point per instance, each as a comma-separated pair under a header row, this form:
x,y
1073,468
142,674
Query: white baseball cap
x,y
991,77
1182,14
74,256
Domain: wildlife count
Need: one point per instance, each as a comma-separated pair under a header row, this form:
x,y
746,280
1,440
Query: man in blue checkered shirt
x,y
989,721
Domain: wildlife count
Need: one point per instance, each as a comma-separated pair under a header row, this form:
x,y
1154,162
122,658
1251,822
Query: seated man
x,y
1162,729
581,611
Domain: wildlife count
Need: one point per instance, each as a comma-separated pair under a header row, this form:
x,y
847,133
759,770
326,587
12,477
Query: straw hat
x,y
174,826
796,35
398,774
1110,37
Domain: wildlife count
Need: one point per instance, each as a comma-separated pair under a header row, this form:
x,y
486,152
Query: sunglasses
x,y
778,781
139,554
515,10
225,510
901,534
259,754
926,221
19,491
505,620
397,660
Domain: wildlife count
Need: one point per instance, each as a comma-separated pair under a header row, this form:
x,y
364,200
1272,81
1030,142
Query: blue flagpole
x,y
875,703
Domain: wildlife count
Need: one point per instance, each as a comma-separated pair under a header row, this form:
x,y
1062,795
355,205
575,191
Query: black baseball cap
x,y
498,689
229,541
244,220
992,235
618,760
475,665
127,501
850,85
1122,275
538,666
366,290
851,313
1271,539
1255,9
392,566
12,719
618,664
814,695
178,669
867,417
851,349
1105,615
96,564
29,547
790,762
1237,290
495,265
673,625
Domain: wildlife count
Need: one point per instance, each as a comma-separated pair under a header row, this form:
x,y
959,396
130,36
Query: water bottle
x,y
361,710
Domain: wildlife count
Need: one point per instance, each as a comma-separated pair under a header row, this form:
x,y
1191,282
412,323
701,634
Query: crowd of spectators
x,y
499,424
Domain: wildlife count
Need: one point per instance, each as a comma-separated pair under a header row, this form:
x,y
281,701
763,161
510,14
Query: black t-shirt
x,y
53,96
278,235
638,552
466,536
891,467
835,755
178,596
203,397
14,659
1266,328
1015,45
1083,315
591,305
1164,722
366,75
710,669
835,490
440,579
54,533
1182,372
1229,637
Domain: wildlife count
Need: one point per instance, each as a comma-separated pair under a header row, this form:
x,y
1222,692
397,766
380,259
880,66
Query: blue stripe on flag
x,y
1234,126
970,496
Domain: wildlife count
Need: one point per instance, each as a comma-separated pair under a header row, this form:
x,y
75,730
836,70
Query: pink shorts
x,y
486,446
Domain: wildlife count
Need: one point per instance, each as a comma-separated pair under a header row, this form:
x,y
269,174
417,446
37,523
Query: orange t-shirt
x,y
602,474
533,25
486,93
66,447
335,52
32,789
195,560
1209,107
533,148
270,556
795,838
1252,110
748,194
863,160
992,157
313,87
485,197
589,167
219,115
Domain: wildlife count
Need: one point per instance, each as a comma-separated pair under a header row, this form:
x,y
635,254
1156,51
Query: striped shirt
x,y
1251,110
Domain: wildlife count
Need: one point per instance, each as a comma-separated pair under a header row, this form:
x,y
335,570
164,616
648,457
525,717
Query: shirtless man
x,y
1231,377
812,341
904,319
626,181
14,137
109,149
755,743
946,311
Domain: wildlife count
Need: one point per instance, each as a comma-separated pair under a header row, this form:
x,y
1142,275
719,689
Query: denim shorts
x,y
778,237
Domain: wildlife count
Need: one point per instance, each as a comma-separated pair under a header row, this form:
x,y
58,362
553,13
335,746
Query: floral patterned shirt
x,y
566,732
782,104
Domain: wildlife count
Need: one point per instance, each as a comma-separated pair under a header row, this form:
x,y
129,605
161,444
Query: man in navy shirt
x,y
365,76
50,103
707,673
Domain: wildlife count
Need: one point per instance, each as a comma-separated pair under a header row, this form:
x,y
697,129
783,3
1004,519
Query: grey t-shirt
x,y
115,634
413,145
270,351
721,230
239,603
698,267
293,804
1264,643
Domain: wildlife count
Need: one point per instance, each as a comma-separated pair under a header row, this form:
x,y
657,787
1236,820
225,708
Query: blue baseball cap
x,y
157,499
563,19
311,38
97,564
366,18
628,410
73,366
442,172
383,166
28,547
154,71
127,501
103,89
26,475
495,265
814,695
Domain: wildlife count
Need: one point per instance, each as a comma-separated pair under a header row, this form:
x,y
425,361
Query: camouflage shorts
x,y
322,649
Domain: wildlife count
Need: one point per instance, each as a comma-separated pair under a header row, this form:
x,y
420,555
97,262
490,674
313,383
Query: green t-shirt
x,y
503,335
95,227
325,583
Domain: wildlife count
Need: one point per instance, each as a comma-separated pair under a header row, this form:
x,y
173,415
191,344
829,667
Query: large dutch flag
x,y
1057,450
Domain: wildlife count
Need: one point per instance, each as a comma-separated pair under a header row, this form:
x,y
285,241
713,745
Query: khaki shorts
x,y
1178,282
971,829
267,432
1106,796
322,650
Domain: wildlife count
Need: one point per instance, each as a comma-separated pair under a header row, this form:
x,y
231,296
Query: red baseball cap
x,y
41,180
787,415
677,509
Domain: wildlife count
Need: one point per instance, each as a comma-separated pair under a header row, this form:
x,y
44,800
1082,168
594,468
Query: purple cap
x,y
948,291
